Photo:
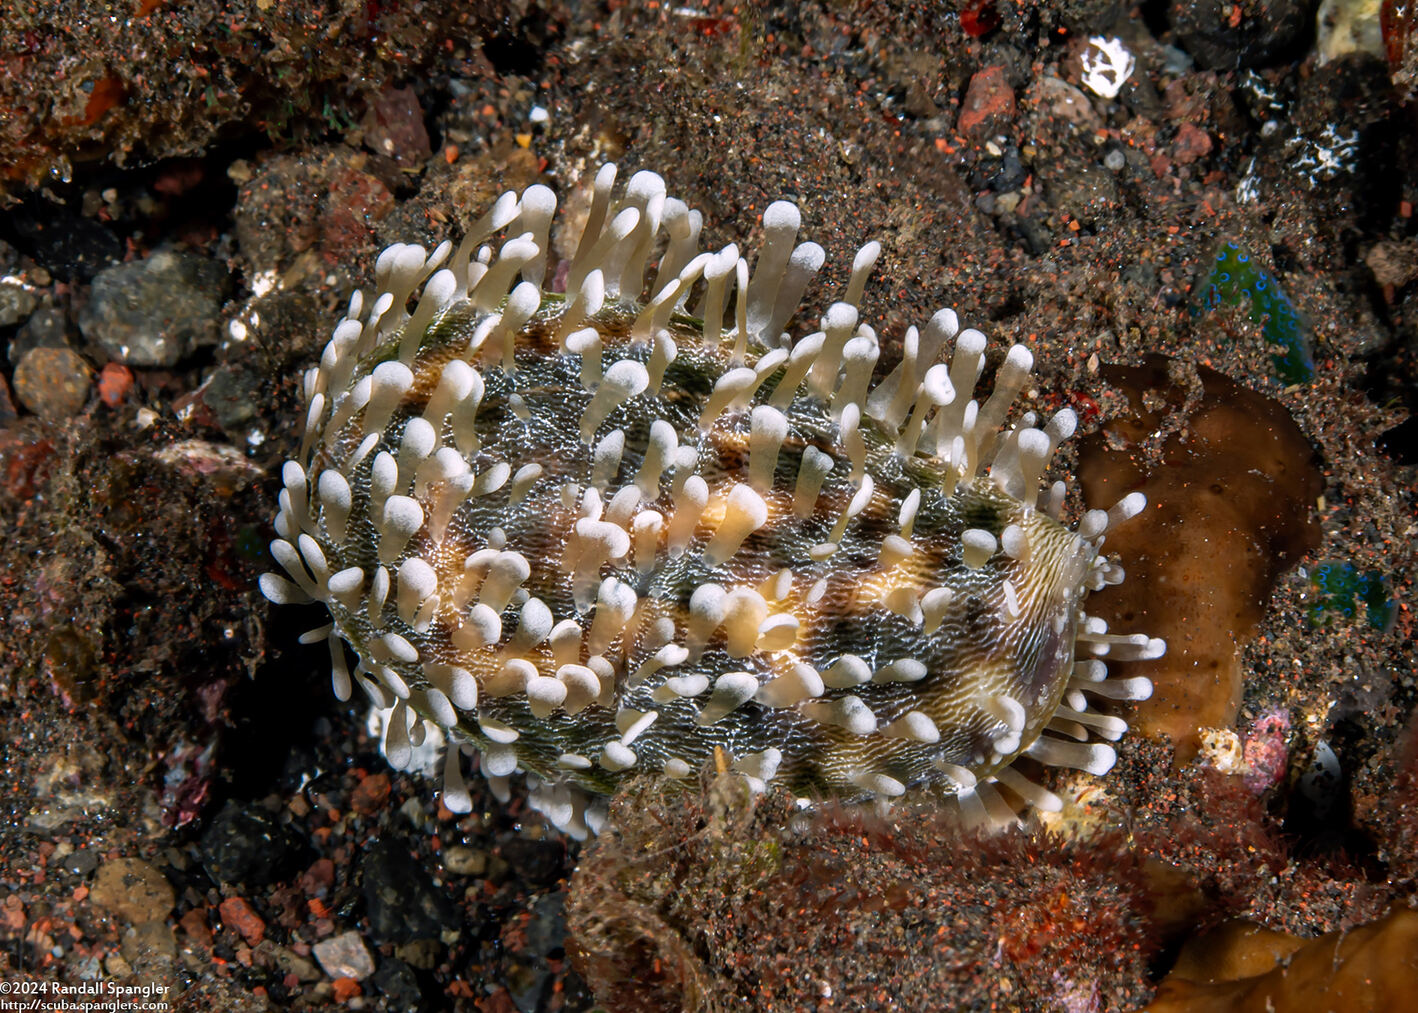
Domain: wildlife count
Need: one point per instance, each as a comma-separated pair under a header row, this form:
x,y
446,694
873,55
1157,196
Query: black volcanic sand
x,y
189,808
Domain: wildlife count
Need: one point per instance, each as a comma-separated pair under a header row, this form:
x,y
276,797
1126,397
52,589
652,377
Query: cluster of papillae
x,y
587,533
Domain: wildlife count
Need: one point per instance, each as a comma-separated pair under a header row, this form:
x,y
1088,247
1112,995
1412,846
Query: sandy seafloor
x,y
187,808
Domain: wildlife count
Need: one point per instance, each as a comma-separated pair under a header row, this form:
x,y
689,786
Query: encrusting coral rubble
x,y
588,534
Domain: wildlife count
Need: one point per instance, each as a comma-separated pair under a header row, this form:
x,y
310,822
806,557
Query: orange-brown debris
x,y
1241,968
1230,483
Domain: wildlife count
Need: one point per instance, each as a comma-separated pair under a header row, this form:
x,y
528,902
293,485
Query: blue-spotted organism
x,y
1341,586
631,526
1237,279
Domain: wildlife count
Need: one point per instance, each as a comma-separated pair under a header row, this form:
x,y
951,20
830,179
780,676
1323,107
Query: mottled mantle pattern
x,y
587,533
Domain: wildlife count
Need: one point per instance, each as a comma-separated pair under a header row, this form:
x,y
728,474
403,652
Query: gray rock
x,y
46,328
52,382
464,861
530,980
246,844
1272,31
401,900
397,982
154,312
344,956
17,301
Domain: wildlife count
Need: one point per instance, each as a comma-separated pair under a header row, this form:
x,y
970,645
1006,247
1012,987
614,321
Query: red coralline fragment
x,y
979,18
1265,751
1398,22
194,923
237,914
24,461
1191,143
988,106
114,383
318,879
370,794
393,127
106,93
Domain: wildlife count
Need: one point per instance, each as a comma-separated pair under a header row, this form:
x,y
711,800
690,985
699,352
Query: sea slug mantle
x,y
633,526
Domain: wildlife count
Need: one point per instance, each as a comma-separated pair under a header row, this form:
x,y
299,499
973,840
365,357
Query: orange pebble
x,y
114,383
